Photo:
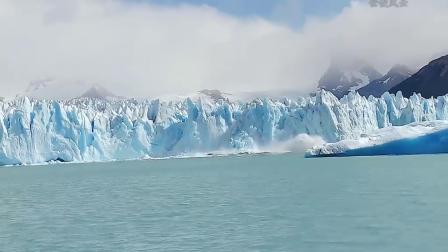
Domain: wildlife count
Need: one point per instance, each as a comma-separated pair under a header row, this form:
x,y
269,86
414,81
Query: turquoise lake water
x,y
247,203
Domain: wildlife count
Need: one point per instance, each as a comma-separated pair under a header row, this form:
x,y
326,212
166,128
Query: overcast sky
x,y
152,47
288,12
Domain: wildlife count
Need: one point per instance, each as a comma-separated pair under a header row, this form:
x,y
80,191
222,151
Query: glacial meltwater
x,y
234,203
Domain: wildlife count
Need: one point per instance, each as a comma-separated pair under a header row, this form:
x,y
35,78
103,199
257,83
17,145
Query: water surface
x,y
250,203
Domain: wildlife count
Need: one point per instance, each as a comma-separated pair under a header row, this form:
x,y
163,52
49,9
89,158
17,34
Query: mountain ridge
x,y
342,77
397,74
430,81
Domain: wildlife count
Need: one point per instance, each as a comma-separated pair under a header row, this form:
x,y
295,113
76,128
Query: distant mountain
x,y
431,80
65,90
214,94
248,96
36,88
99,92
56,89
271,94
37,85
395,76
342,77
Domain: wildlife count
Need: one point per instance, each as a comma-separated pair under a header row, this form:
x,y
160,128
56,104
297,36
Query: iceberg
x,y
88,129
412,139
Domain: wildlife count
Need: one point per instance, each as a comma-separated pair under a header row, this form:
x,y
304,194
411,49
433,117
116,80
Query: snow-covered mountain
x,y
250,96
99,92
431,80
237,97
36,131
52,89
345,76
215,94
55,89
395,76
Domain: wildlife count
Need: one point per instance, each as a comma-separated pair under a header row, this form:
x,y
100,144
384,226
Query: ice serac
x,y
38,131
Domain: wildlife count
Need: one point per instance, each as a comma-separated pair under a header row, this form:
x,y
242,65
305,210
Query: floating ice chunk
x,y
415,138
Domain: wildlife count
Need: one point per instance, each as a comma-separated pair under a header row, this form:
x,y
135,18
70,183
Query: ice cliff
x,y
37,131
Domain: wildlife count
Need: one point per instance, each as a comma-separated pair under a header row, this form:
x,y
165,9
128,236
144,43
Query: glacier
x,y
36,131
412,139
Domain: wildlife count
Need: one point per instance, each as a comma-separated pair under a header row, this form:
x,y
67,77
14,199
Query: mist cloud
x,y
148,50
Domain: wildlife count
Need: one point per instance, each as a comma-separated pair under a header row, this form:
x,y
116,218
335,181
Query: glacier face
x,y
37,131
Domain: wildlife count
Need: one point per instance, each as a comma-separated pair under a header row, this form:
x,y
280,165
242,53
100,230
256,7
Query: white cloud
x,y
147,50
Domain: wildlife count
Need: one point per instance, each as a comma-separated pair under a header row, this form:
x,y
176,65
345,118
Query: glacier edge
x,y
83,130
